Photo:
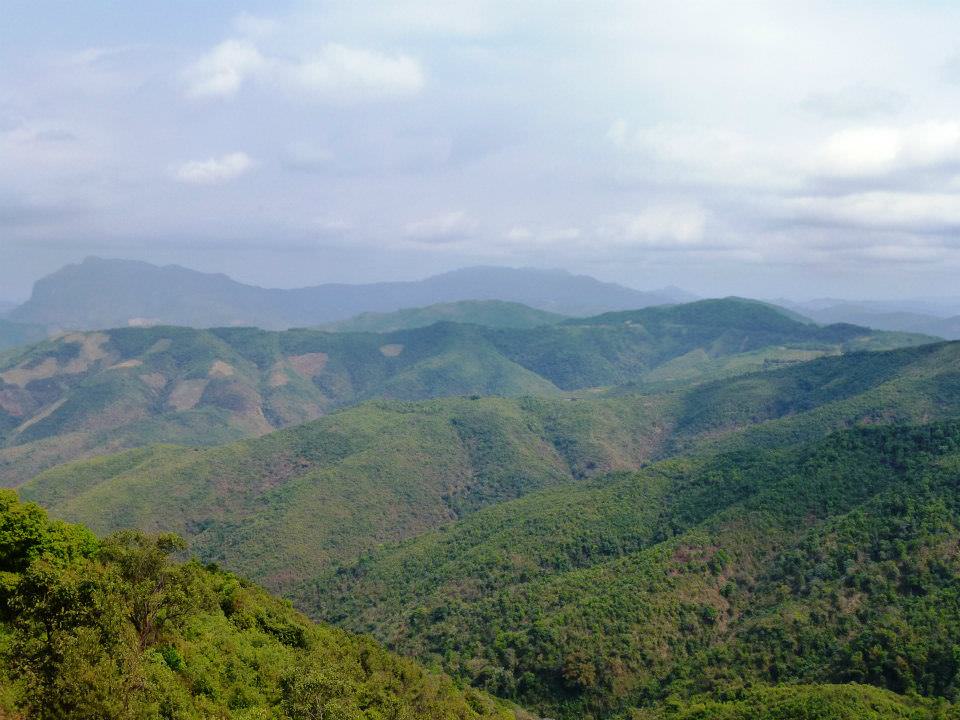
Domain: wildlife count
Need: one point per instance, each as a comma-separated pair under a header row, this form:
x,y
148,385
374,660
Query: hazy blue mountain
x,y
899,320
13,334
99,293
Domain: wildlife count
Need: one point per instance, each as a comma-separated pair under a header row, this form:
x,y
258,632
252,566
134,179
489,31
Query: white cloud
x,y
519,233
335,73
214,170
660,226
880,150
709,154
882,210
222,71
338,72
855,101
444,228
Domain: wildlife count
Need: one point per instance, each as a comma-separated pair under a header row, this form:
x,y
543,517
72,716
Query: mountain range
x,y
939,319
496,493
81,394
585,557
99,293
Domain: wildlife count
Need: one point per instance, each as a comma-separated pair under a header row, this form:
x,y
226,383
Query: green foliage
x,y
115,629
803,702
831,562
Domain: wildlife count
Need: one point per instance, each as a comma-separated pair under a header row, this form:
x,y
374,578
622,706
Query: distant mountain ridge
x,y
920,316
99,293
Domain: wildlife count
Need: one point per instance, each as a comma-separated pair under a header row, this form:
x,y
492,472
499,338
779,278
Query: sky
x,y
770,149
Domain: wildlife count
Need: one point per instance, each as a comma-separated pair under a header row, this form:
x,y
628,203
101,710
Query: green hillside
x,y
490,313
284,507
831,562
112,629
85,394
804,702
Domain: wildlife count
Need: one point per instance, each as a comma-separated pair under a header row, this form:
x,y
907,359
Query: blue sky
x,y
759,148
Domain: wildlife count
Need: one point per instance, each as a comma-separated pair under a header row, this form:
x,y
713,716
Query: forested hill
x,y
287,506
831,562
113,630
87,393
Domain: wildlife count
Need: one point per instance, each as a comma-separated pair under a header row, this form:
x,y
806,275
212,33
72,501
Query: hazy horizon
x,y
796,150
946,304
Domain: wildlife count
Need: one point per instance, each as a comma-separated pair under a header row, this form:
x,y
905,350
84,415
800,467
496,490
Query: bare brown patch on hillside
x,y
154,380
220,369
278,376
91,351
12,402
161,345
391,350
22,374
310,364
186,394
255,422
126,364
45,413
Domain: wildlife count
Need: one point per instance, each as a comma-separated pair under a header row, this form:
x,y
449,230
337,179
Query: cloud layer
x,y
758,148
332,73
214,171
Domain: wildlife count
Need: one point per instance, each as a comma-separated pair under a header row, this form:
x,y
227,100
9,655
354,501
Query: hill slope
x,y
491,313
87,393
99,294
287,506
112,629
831,562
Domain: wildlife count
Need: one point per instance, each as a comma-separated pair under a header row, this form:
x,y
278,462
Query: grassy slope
x,y
110,629
831,562
490,313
